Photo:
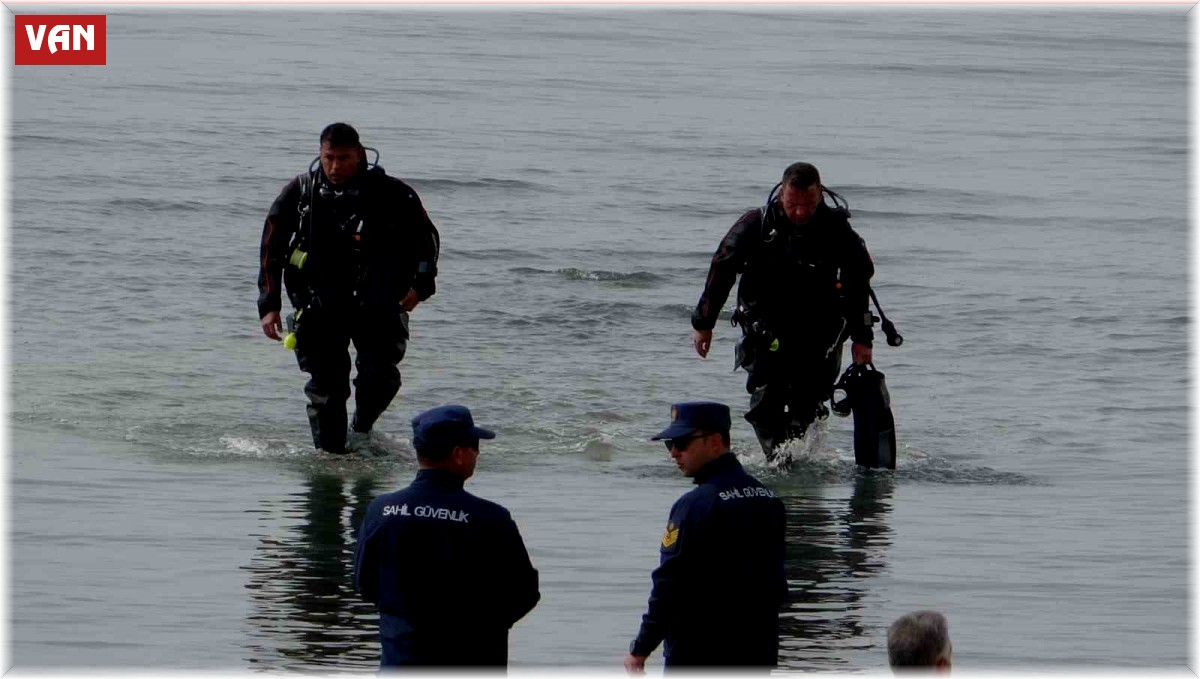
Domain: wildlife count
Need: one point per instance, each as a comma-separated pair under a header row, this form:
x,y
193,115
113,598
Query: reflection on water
x,y
305,613
834,544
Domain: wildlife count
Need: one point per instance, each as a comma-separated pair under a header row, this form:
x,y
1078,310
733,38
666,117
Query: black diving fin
x,y
874,427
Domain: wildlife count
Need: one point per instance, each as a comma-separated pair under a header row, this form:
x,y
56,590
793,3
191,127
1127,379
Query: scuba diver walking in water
x,y
357,253
804,289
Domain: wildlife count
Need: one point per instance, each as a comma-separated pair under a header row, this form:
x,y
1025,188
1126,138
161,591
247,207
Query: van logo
x,y
60,39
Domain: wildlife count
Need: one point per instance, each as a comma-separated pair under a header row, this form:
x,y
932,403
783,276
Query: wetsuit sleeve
x,y
668,581
727,262
426,244
857,271
521,589
281,224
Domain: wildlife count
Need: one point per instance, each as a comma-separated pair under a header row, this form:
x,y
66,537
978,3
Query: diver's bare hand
x,y
410,301
861,353
272,325
702,341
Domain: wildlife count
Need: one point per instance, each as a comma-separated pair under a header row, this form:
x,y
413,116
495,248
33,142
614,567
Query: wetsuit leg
x,y
768,400
812,376
787,392
380,345
322,353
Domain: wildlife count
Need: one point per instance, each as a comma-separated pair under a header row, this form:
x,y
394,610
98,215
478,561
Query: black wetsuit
x,y
720,581
367,245
807,287
449,573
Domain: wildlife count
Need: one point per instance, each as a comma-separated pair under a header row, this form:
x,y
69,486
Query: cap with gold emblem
x,y
695,416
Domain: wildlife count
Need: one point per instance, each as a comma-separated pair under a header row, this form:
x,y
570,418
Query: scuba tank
x,y
874,427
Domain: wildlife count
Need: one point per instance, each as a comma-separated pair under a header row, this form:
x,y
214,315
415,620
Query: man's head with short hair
x,y
801,176
340,134
919,640
342,155
801,192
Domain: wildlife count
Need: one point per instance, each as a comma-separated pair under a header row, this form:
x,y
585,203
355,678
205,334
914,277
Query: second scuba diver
x,y
804,289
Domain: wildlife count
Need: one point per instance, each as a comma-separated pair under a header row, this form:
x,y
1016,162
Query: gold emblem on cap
x,y
674,413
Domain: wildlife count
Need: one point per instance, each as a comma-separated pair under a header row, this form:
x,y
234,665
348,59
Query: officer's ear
x,y
460,454
714,443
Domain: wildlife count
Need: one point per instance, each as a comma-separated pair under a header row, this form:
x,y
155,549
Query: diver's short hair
x,y
340,135
918,639
801,176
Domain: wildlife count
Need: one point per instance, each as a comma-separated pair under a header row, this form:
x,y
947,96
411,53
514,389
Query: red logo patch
x,y
60,39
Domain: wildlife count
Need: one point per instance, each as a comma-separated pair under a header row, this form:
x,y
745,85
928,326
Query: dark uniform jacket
x,y
720,582
395,250
448,570
800,280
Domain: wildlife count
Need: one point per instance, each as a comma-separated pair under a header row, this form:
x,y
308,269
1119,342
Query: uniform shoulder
x,y
752,480
487,508
696,499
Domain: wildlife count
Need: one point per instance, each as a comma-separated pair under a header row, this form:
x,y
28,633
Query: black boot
x,y
327,419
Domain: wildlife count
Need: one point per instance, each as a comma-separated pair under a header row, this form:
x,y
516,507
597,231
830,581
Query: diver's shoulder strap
x,y
306,181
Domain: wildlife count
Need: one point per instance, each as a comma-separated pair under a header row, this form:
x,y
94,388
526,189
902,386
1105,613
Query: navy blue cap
x,y
449,425
688,418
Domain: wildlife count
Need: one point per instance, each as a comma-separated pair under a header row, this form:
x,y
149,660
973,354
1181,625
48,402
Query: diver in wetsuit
x,y
357,253
804,289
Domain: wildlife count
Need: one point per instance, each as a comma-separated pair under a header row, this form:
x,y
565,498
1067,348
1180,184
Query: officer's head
x,y
446,438
342,154
699,434
800,192
919,641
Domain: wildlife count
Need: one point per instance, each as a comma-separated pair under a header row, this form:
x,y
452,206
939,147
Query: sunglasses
x,y
680,443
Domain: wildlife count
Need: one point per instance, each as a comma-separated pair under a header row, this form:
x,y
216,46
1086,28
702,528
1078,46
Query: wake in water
x,y
636,278
811,458
810,451
380,444
262,448
373,445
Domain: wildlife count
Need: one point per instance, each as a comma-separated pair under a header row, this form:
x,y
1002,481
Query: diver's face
x,y
340,163
800,204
